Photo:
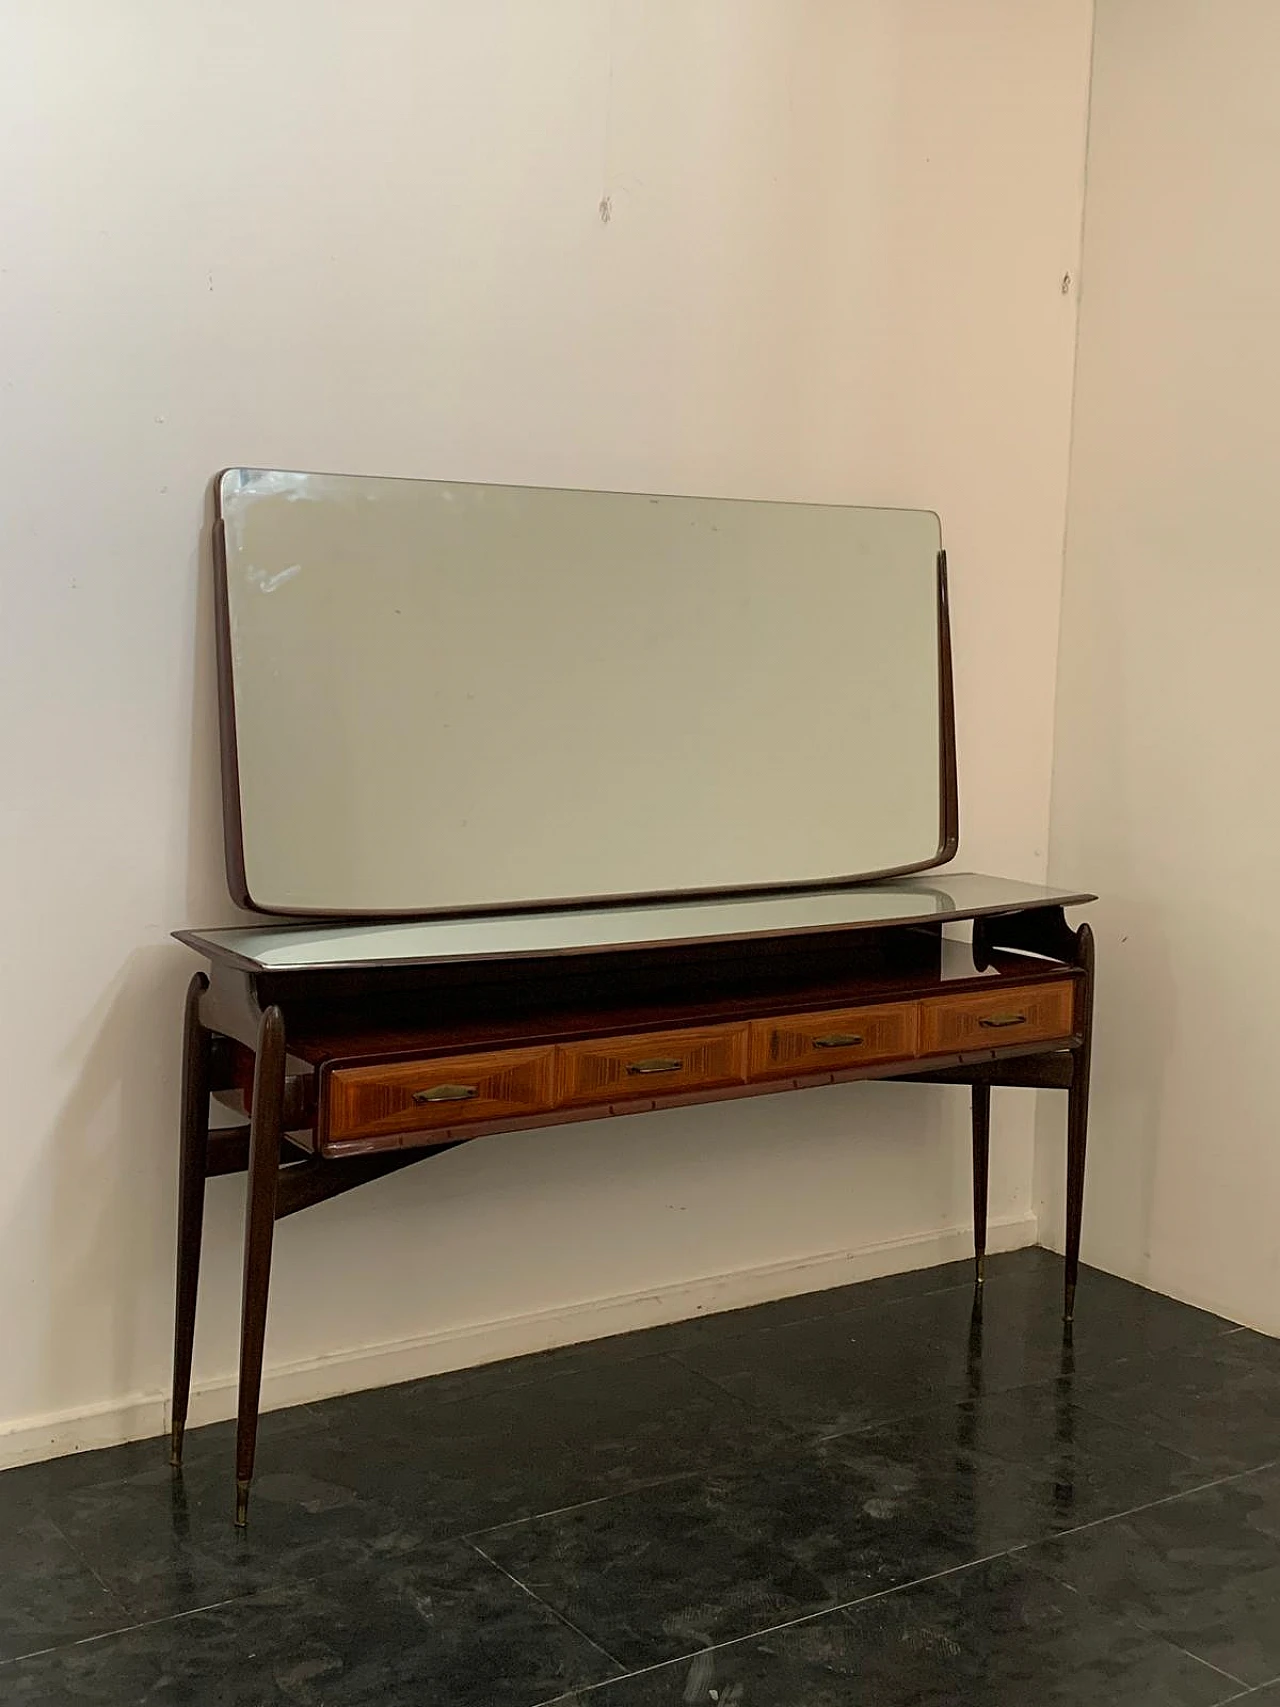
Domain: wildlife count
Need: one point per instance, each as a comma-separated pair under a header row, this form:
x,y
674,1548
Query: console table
x,y
363,1048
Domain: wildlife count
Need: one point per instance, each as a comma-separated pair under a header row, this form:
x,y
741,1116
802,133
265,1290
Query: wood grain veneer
x,y
416,1096
988,1019
821,1042
651,1064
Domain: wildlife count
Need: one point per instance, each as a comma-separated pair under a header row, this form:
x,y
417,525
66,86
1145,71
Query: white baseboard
x,y
139,1416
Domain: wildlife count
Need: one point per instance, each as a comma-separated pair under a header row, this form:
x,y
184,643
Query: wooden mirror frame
x,y
233,829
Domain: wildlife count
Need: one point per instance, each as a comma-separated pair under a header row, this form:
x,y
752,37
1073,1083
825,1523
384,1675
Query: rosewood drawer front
x,y
812,1043
610,1069
414,1096
991,1018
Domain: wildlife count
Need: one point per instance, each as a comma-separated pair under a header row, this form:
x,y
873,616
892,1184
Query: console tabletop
x,y
307,946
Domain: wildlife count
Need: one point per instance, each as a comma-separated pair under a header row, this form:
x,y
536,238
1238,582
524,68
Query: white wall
x,y
1165,795
369,238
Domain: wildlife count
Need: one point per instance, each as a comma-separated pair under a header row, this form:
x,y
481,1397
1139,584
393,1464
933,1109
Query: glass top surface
x,y
583,930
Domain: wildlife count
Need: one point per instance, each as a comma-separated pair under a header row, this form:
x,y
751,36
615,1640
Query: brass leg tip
x,y
242,1504
980,1270
175,1446
1069,1312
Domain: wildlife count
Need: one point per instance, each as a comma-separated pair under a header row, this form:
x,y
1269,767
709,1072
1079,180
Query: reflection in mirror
x,y
446,697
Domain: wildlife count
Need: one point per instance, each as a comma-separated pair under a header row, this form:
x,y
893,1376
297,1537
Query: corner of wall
x,y
1048,1166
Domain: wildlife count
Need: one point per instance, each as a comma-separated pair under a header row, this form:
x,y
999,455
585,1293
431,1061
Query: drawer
x,y
990,1018
814,1043
413,1096
609,1069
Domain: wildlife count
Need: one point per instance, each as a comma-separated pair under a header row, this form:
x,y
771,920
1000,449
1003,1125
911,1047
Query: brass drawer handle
x,y
657,1064
838,1040
996,1022
445,1093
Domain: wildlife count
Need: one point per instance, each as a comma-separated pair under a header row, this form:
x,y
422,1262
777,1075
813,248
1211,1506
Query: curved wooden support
x,y
1078,1118
980,1096
1044,930
192,1174
949,840
1038,930
318,1179
260,1217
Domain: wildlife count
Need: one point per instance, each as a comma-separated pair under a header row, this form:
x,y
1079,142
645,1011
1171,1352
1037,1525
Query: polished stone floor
x,y
859,1498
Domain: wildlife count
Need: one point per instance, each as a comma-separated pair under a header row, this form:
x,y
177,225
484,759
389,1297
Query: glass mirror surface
x,y
449,697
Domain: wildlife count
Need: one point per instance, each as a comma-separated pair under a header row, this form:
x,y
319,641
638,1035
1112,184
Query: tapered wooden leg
x,y
1077,1136
981,1108
192,1172
1078,1125
260,1219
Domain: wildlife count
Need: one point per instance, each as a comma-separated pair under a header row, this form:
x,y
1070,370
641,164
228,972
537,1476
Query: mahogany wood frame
x,y
287,1173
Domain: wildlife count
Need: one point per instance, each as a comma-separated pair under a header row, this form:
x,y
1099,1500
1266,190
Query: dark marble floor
x,y
856,1497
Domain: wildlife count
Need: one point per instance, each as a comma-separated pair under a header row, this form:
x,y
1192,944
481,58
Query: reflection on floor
x,y
865,1496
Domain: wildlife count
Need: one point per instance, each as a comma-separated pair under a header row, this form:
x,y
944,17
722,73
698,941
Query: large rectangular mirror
x,y
440,698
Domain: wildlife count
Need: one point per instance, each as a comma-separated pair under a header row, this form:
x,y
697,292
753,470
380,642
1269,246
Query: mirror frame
x,y
233,829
